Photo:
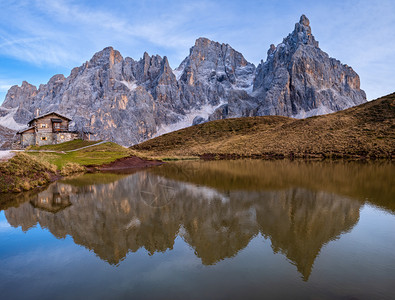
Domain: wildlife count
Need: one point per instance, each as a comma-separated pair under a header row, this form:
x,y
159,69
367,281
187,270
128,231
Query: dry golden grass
x,y
367,130
23,172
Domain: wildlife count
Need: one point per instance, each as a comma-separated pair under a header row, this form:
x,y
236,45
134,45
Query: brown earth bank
x,y
363,131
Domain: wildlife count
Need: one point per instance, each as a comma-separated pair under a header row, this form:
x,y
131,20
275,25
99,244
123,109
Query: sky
x,y
41,38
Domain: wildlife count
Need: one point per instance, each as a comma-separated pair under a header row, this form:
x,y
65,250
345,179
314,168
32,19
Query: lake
x,y
244,229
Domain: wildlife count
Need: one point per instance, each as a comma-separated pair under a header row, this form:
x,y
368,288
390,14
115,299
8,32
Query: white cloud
x,y
65,32
5,87
5,84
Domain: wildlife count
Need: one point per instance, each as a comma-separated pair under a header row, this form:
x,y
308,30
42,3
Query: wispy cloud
x,y
66,32
5,87
5,84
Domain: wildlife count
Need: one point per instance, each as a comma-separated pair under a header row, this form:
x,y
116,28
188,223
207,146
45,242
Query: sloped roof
x,y
23,130
47,114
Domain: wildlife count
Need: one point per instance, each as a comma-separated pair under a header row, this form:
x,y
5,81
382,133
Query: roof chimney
x,y
37,113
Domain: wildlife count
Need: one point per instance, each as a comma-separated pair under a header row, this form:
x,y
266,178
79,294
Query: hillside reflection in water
x,y
217,208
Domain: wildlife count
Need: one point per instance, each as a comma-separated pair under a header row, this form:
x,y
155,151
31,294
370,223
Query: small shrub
x,y
25,186
71,168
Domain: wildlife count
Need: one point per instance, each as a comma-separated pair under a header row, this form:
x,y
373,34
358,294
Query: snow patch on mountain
x,y
178,72
130,85
204,111
8,120
321,110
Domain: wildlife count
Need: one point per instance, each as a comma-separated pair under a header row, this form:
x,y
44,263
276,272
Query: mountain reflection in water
x,y
216,207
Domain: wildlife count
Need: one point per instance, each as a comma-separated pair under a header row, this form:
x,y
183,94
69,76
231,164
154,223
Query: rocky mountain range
x,y
128,101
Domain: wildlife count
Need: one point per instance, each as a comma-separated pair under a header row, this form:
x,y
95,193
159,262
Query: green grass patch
x,y
67,146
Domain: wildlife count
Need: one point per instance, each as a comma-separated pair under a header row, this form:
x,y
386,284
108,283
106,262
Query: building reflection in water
x,y
147,210
54,199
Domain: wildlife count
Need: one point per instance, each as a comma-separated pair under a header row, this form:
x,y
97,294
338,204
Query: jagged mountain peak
x,y
57,78
147,57
107,56
203,46
301,34
26,84
203,42
16,95
304,21
211,62
299,79
271,50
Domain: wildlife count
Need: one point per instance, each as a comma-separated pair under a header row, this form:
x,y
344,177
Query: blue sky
x,y
40,38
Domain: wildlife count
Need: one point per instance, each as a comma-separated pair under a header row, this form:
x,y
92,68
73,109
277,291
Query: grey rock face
x,y
21,97
128,101
6,137
17,95
108,95
198,120
299,79
211,72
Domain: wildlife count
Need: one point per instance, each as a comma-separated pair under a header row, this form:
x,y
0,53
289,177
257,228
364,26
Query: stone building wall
x,y
44,138
62,137
27,139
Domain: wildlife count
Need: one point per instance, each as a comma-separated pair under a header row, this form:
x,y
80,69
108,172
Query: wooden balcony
x,y
60,129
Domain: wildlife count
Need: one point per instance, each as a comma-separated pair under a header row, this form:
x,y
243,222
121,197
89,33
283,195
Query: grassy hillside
x,y
367,130
95,155
22,172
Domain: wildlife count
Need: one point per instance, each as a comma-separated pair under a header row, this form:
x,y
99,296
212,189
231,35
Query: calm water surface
x,y
205,230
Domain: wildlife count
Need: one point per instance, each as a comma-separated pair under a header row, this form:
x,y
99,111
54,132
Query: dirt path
x,y
64,152
6,155
102,142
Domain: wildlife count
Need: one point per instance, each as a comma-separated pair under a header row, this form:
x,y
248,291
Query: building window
x,y
43,138
43,125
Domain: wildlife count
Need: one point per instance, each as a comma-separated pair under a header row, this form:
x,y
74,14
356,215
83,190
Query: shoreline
x,y
43,176
133,163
